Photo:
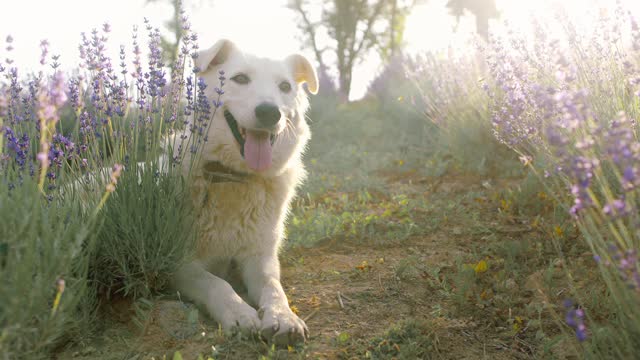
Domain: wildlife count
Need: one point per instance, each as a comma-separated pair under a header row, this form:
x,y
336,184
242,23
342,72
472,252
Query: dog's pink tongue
x,y
257,150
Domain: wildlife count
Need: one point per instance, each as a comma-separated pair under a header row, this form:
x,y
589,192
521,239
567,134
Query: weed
x,y
357,216
410,339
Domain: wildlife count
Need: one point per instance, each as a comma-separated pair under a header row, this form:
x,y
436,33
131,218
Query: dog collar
x,y
216,172
233,125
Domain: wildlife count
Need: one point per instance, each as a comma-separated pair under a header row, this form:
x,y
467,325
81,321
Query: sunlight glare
x,y
431,28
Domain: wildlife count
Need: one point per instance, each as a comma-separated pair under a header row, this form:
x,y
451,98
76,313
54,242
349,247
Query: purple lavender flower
x,y
18,145
627,265
202,108
43,157
630,178
74,95
30,108
616,209
156,80
51,99
189,96
575,319
57,94
44,51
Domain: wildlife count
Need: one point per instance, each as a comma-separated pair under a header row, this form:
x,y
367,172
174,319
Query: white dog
x,y
246,179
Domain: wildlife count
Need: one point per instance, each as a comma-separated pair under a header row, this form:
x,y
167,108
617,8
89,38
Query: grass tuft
x,y
147,232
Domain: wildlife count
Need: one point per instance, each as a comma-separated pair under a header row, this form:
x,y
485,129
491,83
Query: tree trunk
x,y
392,43
343,80
345,84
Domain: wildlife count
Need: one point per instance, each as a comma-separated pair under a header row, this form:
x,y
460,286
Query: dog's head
x,y
261,127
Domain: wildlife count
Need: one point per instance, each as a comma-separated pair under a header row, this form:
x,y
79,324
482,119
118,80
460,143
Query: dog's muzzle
x,y
255,144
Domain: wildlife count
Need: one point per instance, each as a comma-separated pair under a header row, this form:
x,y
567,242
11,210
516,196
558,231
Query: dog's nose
x,y
267,114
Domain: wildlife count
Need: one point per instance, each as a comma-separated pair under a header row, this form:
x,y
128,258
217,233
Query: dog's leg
x,y
261,275
218,297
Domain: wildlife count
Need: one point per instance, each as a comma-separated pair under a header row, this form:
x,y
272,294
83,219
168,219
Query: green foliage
x,y
72,227
170,44
355,216
45,298
357,26
148,232
440,102
455,102
352,142
410,339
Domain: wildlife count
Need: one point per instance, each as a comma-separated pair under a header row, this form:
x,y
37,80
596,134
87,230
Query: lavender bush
x,y
568,106
45,297
74,216
392,90
455,106
567,103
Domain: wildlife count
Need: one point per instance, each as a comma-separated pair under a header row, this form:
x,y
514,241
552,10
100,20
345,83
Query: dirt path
x,y
427,296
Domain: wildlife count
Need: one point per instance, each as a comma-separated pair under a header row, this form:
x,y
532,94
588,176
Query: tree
x,y
174,25
399,10
170,44
483,10
355,27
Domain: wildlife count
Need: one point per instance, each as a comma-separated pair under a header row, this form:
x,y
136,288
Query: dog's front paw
x,y
282,326
240,317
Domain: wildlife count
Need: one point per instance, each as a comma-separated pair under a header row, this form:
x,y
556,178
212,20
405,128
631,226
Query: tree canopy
x,y
351,29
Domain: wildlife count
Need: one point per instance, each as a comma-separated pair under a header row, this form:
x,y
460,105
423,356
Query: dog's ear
x,y
215,55
304,72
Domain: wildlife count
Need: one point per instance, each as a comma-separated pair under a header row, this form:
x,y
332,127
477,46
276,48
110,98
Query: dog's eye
x,y
285,86
241,79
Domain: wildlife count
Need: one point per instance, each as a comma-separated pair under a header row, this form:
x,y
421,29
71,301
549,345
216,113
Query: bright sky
x,y
263,27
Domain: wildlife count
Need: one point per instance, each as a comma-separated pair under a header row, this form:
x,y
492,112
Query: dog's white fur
x,y
243,223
